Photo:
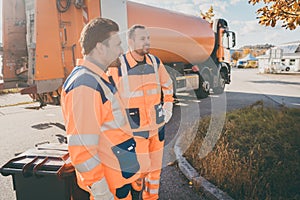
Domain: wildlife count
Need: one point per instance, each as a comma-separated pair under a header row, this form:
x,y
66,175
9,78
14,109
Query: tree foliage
x,y
286,11
236,55
208,16
246,51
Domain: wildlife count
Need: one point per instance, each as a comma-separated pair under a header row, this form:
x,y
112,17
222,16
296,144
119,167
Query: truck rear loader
x,y
40,44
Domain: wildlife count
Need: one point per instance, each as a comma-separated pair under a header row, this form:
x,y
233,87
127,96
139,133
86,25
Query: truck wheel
x,y
204,87
56,101
221,84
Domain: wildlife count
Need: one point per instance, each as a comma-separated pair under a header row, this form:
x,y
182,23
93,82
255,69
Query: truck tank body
x,y
175,37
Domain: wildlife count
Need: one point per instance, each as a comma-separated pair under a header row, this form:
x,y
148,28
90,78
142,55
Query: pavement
x,y
14,99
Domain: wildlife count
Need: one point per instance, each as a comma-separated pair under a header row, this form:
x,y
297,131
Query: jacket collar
x,y
132,62
93,67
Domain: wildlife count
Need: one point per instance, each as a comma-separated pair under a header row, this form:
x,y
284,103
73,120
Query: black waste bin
x,y
44,172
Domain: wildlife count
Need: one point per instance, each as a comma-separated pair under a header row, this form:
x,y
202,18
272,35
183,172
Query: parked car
x,y
241,64
286,68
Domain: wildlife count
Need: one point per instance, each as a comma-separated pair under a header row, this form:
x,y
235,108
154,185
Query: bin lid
x,y
46,159
48,149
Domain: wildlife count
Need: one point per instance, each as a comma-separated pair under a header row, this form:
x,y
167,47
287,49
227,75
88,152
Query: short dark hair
x,y
133,28
97,30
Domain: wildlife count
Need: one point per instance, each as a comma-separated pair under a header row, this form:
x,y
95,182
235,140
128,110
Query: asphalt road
x,y
22,126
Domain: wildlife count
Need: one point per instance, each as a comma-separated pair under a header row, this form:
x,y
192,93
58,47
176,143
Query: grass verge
x,y
257,155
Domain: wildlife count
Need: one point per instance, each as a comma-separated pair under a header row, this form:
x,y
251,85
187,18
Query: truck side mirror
x,y
233,39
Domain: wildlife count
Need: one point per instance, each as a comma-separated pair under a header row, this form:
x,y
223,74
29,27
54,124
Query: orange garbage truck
x,y
40,44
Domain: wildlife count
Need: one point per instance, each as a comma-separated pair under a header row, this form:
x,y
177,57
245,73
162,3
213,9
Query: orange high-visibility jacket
x,y
140,87
94,117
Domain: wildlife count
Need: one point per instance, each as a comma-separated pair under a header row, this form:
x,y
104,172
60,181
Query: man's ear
x,y
130,43
100,47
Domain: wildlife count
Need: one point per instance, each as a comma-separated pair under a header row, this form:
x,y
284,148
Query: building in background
x,y
282,58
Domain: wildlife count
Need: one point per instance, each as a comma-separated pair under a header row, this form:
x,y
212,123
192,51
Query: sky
x,y
240,15
241,18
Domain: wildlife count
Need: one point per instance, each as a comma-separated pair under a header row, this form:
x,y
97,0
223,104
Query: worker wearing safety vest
x,y
141,78
102,153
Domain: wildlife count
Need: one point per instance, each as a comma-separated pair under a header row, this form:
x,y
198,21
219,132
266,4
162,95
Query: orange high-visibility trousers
x,y
150,155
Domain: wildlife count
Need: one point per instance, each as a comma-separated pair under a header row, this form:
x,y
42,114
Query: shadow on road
x,y
48,125
277,82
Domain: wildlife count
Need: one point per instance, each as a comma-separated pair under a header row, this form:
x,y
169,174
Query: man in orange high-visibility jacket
x,y
141,79
102,153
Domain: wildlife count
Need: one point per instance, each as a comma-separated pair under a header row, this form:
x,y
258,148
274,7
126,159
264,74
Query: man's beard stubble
x,y
142,52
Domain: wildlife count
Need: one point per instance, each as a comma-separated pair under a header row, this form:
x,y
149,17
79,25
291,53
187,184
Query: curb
x,y
211,191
